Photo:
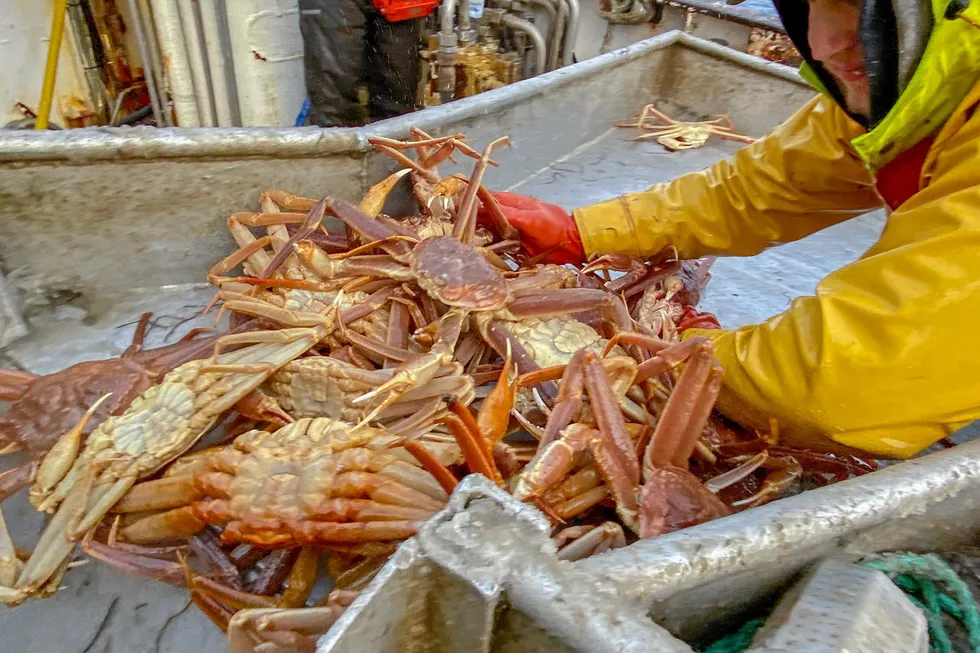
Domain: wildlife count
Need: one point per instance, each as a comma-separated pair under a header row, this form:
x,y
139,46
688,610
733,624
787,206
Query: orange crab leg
x,y
465,227
176,523
465,429
677,425
493,418
432,465
327,533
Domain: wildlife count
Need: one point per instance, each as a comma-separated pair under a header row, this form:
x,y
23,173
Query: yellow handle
x,y
51,67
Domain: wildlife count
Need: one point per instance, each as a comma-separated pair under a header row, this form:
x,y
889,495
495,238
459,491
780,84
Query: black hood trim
x,y
879,36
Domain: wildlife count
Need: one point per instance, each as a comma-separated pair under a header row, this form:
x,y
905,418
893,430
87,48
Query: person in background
x,y
884,357
349,44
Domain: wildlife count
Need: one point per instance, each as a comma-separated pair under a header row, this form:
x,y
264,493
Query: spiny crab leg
x,y
610,446
464,228
683,418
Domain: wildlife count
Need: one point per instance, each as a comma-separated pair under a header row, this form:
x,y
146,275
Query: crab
x,y
43,408
455,274
670,497
676,135
318,481
158,426
321,386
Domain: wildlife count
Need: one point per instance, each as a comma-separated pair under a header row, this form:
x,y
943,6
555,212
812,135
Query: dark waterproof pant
x,y
347,43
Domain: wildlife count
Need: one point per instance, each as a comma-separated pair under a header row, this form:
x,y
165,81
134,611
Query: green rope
x,y
932,586
936,589
737,641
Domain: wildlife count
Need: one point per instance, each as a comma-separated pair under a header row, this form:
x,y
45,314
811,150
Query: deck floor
x,y
102,611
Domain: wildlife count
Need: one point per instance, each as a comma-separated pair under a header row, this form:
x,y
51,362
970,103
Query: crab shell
x,y
458,275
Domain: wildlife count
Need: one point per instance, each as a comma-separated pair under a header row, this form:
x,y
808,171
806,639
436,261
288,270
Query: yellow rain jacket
x,y
884,357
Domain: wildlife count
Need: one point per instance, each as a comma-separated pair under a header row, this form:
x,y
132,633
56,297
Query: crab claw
x,y
375,198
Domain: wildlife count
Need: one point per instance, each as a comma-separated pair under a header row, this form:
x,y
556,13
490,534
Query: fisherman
x,y
349,44
881,358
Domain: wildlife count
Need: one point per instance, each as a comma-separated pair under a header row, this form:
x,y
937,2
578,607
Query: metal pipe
x,y
196,56
447,52
217,59
167,18
554,36
466,33
571,32
540,48
86,52
144,51
560,38
145,17
51,65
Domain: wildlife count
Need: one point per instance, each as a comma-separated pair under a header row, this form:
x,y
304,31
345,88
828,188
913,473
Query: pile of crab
x,y
364,371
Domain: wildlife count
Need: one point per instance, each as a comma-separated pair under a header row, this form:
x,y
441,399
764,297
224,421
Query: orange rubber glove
x,y
547,230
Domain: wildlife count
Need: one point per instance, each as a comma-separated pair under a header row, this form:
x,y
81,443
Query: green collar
x,y
948,71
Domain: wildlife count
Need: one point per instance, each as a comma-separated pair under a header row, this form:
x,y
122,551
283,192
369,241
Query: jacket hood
x,y
922,56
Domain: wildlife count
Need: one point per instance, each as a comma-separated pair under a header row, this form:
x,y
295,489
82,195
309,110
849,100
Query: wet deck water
x,y
102,611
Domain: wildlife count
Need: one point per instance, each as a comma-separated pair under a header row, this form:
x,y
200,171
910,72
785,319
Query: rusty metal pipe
x,y
540,47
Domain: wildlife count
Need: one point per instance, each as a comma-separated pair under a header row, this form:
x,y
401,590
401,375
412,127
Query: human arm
x,y
881,358
801,178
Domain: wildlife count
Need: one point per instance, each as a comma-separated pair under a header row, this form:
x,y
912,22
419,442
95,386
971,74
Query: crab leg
x,y
464,228
288,201
786,471
397,335
432,465
493,418
683,418
502,341
375,198
609,417
365,225
571,300
419,370
666,355
477,458
608,535
475,435
13,480
553,461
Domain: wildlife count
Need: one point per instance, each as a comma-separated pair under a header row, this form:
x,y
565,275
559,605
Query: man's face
x,y
834,42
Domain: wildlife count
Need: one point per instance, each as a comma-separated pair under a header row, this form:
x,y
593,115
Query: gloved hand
x,y
546,229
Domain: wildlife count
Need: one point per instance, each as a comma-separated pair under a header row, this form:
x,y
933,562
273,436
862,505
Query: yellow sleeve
x,y
801,178
881,358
